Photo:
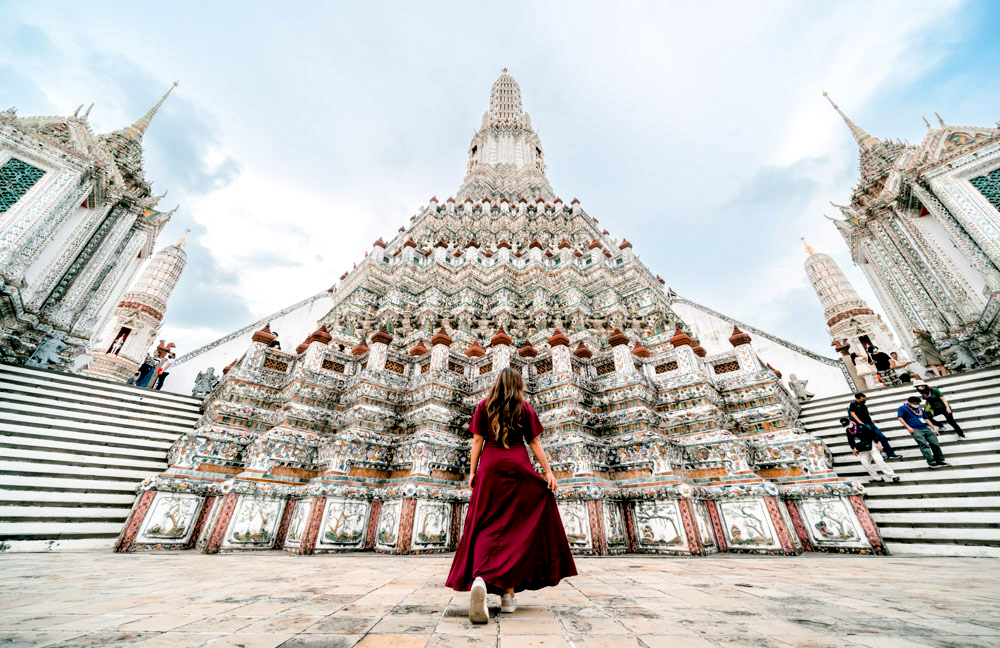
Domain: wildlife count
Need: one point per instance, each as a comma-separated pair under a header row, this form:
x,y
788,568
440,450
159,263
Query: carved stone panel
x,y
254,524
832,523
747,525
343,525
431,525
577,524
171,519
658,525
388,525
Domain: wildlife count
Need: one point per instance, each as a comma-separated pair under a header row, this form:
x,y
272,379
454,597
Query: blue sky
x,y
300,133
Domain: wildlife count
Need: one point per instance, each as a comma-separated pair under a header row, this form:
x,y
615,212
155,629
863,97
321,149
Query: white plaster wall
x,y
713,333
292,326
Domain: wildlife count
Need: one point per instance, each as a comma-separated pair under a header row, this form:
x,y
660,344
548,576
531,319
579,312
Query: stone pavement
x,y
376,601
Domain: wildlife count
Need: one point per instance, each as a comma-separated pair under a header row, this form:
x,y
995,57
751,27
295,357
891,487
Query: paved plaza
x,y
377,601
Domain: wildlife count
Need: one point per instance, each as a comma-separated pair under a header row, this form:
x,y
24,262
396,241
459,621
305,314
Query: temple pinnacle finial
x,y
927,123
809,248
183,240
138,129
940,121
861,136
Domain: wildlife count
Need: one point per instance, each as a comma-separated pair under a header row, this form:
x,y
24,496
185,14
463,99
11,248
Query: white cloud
x,y
660,118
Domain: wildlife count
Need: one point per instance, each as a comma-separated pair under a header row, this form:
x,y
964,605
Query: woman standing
x,y
932,357
514,538
937,404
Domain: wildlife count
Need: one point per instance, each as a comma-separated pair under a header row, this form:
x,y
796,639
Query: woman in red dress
x,y
514,538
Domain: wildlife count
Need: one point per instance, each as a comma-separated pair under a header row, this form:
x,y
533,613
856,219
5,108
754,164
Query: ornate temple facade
x,y
77,220
924,226
121,345
357,439
852,324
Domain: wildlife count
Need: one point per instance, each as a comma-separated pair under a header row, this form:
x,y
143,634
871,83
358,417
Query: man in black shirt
x,y
858,413
863,445
883,365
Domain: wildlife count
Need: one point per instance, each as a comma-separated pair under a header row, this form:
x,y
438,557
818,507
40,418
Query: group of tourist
x,y
152,373
869,443
878,368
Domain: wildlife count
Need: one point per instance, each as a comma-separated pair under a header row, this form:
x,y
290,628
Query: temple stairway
x,y
72,451
953,511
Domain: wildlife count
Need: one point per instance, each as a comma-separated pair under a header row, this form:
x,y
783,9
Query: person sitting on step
x,y
918,423
861,438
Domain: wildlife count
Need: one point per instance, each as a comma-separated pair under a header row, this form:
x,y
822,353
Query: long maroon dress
x,y
513,534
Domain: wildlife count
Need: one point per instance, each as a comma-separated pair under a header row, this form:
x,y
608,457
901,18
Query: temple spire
x,y
861,136
809,248
183,240
138,129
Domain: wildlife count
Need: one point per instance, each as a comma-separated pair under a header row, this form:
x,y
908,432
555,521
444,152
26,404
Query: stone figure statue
x,y
205,383
961,355
799,388
47,353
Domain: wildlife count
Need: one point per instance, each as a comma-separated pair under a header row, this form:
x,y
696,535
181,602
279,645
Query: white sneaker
x,y
508,603
478,613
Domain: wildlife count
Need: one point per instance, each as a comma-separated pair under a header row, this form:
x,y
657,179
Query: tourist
x,y
163,371
514,538
883,365
900,365
932,357
858,412
145,371
274,343
938,404
862,439
866,372
917,422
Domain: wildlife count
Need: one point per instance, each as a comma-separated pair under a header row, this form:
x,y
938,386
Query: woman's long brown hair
x,y
505,404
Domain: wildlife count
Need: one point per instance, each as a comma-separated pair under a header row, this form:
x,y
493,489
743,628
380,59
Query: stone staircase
x,y
72,450
945,511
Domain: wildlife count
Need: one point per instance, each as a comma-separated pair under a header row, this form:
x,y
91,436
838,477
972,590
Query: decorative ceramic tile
x,y
832,523
171,519
254,523
431,525
747,525
388,525
576,523
298,523
704,525
614,524
658,525
344,523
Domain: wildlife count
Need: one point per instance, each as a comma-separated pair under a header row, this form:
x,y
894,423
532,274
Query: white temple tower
x,y
852,324
77,218
131,329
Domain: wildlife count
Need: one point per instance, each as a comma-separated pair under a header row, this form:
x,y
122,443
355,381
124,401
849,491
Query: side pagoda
x,y
357,439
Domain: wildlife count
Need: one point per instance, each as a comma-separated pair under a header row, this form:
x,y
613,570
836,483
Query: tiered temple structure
x,y
924,226
122,344
852,324
357,439
77,220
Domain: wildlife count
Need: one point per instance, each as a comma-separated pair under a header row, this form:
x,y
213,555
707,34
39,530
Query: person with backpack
x,y
858,413
861,438
937,405
917,422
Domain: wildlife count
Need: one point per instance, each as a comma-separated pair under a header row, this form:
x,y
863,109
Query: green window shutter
x,y
989,186
16,177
